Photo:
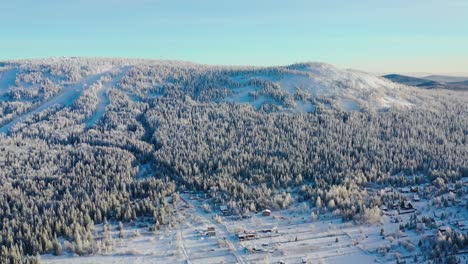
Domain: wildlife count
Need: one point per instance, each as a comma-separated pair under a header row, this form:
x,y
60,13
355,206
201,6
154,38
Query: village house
x,y
224,209
246,236
451,188
271,229
444,228
405,190
266,212
408,205
407,208
211,232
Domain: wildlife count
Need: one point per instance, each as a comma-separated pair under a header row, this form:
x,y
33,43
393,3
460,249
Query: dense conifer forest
x,y
91,141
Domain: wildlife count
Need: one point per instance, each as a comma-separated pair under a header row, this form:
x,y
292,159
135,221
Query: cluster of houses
x,y
225,211
414,190
406,208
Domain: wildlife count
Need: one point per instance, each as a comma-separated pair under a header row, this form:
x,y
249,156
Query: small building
x,y
383,208
270,229
460,224
408,205
407,208
416,198
388,189
266,212
444,228
414,189
405,190
246,236
224,209
391,213
211,232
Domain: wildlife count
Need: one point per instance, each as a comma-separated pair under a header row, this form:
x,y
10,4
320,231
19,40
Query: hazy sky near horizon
x,y
372,35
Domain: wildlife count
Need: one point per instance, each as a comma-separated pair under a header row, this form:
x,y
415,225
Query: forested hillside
x,y
86,141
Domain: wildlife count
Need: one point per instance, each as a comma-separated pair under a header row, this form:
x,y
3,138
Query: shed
x,y
245,236
444,228
408,205
224,209
266,212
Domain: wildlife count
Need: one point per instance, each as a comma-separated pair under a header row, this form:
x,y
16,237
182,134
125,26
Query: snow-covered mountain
x,y
348,89
97,157
32,86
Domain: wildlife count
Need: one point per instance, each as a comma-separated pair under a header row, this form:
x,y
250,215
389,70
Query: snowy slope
x,y
7,79
294,88
352,87
65,98
345,89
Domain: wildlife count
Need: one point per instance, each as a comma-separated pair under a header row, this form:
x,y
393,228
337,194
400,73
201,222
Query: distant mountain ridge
x,y
431,82
446,78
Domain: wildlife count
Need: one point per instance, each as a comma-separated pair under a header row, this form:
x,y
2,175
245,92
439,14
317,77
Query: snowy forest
x,y
90,141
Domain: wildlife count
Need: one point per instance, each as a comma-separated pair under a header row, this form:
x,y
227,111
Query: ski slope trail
x,y
103,98
65,98
7,79
100,108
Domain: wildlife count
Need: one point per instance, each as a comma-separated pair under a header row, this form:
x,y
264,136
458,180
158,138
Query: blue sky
x,y
372,35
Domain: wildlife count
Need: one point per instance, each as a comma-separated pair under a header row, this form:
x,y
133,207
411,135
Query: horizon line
x,y
378,73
